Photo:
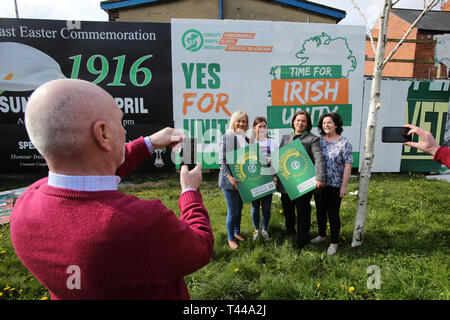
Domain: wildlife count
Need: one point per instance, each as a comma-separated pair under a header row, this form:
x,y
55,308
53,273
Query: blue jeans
x,y
264,203
234,213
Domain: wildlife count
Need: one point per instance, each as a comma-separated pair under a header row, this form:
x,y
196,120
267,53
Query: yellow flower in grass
x,y
1,293
6,288
44,298
351,289
318,285
236,270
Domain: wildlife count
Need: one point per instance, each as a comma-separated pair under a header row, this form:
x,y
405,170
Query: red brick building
x,y
415,58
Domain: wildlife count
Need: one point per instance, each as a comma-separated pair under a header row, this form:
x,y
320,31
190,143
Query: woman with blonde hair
x,y
234,139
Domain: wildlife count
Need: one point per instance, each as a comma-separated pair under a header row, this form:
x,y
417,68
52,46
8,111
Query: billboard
x,y
422,103
427,107
269,69
129,60
193,74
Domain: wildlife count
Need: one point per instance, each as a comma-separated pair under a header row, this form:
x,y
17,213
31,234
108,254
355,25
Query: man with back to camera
x,y
75,220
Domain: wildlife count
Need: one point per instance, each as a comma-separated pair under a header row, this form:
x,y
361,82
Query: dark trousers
x,y
303,217
328,203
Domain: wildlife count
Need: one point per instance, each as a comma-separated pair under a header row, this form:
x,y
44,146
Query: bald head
x,y
60,114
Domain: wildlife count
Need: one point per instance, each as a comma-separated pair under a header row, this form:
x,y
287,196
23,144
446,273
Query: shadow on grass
x,y
375,243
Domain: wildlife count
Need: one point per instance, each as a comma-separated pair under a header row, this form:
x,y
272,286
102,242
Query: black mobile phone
x,y
188,152
395,134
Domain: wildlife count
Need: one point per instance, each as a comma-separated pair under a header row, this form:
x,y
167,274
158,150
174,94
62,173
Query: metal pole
x,y
17,10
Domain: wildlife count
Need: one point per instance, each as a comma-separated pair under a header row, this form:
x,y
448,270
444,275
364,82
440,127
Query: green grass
x,y
407,236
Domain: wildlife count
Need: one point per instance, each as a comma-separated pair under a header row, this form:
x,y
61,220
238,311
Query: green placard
x,y
295,169
249,166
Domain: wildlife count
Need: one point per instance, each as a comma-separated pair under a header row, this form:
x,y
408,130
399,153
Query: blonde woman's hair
x,y
235,116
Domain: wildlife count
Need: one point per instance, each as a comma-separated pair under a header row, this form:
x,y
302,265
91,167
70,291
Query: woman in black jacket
x,y
302,125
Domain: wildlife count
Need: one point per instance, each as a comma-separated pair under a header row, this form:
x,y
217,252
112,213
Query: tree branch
x,y
411,27
367,25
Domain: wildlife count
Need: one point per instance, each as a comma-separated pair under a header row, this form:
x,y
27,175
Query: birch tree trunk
x,y
364,179
380,63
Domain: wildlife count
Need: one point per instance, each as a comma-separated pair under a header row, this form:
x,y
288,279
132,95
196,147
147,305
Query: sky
x,y
89,10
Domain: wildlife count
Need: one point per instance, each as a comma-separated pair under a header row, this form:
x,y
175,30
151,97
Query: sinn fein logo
x,y
293,162
246,166
192,40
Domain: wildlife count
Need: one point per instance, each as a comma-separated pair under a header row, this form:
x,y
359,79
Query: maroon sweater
x,y
124,247
442,155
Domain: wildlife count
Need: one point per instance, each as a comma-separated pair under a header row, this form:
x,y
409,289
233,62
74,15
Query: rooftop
x,y
301,4
432,21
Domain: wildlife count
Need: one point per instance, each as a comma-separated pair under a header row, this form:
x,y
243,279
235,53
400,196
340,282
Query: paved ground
x,y
442,176
17,192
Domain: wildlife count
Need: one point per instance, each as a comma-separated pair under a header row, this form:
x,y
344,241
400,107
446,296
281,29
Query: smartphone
x,y
188,152
395,134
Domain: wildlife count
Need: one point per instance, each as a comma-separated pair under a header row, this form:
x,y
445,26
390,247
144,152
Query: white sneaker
x,y
265,235
331,250
318,239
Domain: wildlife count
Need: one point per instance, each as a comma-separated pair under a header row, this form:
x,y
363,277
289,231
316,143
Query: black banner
x,y
132,61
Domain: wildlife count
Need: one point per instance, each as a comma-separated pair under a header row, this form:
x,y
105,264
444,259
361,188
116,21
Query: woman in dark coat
x,y
302,125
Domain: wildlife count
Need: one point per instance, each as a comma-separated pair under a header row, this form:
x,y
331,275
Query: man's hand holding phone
x,y
190,179
190,173
167,137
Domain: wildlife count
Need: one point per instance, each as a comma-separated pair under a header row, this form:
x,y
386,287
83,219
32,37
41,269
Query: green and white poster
x,y
427,107
265,68
249,166
295,169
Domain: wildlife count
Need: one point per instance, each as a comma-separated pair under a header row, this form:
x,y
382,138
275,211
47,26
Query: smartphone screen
x,y
395,134
189,152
